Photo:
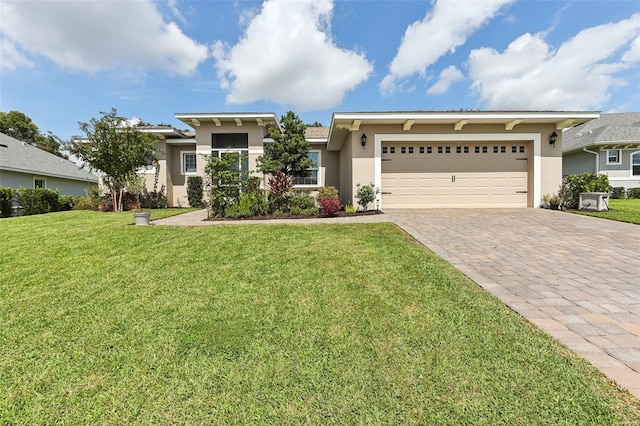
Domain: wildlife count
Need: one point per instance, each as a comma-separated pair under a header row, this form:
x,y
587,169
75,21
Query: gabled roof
x,y
344,122
617,129
316,134
21,157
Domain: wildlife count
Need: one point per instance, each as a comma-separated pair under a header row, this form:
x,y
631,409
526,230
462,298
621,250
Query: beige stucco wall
x,y
358,164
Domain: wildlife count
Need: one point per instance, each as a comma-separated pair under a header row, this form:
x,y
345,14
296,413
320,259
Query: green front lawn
x,y
108,323
627,210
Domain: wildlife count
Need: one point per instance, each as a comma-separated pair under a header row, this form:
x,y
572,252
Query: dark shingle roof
x,y
609,128
22,157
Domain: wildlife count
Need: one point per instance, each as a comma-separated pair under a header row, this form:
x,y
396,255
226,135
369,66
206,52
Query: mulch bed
x,y
318,216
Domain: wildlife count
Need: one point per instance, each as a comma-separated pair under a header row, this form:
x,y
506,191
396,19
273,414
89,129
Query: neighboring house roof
x,y
617,129
316,134
17,156
345,122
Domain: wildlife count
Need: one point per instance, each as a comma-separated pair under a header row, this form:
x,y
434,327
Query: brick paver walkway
x,y
575,277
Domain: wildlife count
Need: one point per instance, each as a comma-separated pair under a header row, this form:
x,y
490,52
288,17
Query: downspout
x,y
597,159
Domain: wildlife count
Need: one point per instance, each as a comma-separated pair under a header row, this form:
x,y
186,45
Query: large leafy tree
x,y
20,126
116,149
288,151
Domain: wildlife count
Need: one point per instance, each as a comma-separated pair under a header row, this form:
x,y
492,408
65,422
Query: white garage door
x,y
426,175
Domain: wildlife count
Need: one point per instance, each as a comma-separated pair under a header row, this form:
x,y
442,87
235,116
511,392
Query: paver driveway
x,y
576,277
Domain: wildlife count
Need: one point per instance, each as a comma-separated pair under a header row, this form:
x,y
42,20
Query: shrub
x,y
153,199
194,191
241,208
6,200
129,202
225,180
366,194
330,206
573,185
280,186
301,203
66,202
38,200
618,192
633,192
350,209
328,192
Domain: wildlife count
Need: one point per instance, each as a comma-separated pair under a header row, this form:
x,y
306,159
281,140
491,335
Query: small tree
x,y
289,149
115,148
366,194
225,180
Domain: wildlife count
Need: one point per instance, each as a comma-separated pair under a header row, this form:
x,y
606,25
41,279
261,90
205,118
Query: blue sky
x,y
65,61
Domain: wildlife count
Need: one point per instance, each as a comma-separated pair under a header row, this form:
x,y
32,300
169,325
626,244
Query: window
x,y
39,183
447,150
514,149
466,149
384,150
476,150
312,177
521,148
439,150
422,150
429,150
403,150
410,150
188,163
503,149
613,156
484,149
635,164
458,150
495,149
392,149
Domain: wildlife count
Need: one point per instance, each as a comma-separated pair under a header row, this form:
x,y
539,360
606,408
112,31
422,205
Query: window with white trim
x,y
635,164
39,183
613,156
188,162
311,179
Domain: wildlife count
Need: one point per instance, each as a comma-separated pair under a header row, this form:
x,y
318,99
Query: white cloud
x,y
447,77
633,54
441,31
11,59
530,75
99,35
287,56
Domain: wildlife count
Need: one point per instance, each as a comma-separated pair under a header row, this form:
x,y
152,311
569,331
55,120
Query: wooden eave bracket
x,y
238,122
511,124
407,125
260,122
355,126
217,122
195,122
460,124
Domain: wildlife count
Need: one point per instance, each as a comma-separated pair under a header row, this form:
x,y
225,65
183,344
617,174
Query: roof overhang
x,y
162,132
343,123
605,145
239,119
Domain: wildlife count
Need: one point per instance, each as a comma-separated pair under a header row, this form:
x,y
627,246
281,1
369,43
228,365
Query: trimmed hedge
x,y
38,200
6,196
618,192
633,193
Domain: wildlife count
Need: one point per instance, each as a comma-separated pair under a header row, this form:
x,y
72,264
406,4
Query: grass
x,y
622,210
268,324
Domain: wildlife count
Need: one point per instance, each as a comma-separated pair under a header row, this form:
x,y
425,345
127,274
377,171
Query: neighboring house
x,y
609,145
418,159
25,166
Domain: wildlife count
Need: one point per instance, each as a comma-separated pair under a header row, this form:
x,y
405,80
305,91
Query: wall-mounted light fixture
x,y
363,140
553,138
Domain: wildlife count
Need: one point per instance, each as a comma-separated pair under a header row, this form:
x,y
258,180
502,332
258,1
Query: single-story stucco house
x,y
25,166
609,145
418,159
